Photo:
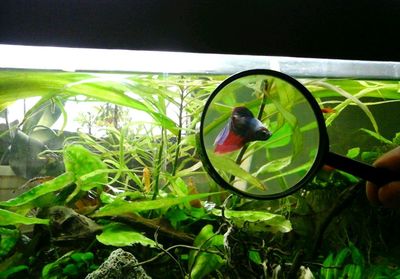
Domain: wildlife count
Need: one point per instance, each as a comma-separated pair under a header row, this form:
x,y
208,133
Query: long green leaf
x,y
275,165
12,271
10,218
349,98
16,85
377,136
113,92
326,271
119,207
202,263
227,165
56,184
257,221
42,113
119,235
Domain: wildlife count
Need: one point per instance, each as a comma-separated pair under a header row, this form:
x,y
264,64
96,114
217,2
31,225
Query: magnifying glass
x,y
263,135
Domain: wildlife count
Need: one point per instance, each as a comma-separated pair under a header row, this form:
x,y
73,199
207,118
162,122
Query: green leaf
x,y
176,215
280,138
106,197
377,136
352,271
52,270
16,85
326,270
44,113
190,170
369,156
352,179
179,186
82,257
349,99
275,165
202,263
255,257
12,271
356,255
119,207
114,92
353,152
8,239
120,235
11,218
55,184
340,258
284,106
257,221
71,270
396,139
302,169
87,167
227,165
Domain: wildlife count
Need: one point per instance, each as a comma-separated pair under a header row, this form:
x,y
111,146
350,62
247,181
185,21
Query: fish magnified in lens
x,y
241,128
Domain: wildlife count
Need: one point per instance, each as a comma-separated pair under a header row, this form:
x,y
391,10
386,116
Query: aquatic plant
x,y
140,185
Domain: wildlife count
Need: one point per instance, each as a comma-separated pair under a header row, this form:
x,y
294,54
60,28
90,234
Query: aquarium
x,y
101,165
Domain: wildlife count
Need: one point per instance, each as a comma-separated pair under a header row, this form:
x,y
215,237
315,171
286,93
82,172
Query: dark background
x,y
303,28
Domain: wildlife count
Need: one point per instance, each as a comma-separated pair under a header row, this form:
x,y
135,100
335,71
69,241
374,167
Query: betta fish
x,y
241,128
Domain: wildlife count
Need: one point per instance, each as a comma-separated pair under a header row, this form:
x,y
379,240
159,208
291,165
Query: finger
x,y
389,195
390,160
372,193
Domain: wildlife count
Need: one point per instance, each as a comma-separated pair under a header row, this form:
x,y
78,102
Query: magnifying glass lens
x,y
261,134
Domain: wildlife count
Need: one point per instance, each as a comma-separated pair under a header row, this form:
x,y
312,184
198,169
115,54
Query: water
x,y
141,128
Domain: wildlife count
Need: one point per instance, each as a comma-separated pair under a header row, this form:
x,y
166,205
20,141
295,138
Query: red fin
x,y
328,168
230,143
328,110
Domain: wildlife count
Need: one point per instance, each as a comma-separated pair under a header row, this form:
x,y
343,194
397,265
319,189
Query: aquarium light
x,y
113,60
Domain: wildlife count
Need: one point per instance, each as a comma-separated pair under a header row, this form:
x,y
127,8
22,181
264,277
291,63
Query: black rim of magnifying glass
x,y
323,136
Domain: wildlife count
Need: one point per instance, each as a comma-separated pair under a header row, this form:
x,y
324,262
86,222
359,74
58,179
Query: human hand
x,y
387,195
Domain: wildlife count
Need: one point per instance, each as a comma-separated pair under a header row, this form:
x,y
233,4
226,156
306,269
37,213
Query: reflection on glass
x,y
260,134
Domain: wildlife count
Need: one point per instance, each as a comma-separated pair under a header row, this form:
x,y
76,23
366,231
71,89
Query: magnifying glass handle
x,y
379,176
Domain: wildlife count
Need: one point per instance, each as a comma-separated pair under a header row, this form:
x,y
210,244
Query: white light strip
x,y
111,60
84,59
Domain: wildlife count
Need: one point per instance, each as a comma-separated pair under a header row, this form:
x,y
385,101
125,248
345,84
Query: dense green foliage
x,y
141,186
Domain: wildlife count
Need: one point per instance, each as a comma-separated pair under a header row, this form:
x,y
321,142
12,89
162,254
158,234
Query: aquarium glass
x,y
99,151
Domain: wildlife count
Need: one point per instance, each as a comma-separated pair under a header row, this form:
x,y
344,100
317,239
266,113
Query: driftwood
x,y
156,225
344,200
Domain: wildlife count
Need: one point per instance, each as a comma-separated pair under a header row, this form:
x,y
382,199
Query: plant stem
x,y
158,165
179,137
266,90
115,117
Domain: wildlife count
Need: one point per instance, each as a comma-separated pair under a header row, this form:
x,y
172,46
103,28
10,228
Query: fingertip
x,y
371,191
389,195
390,160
